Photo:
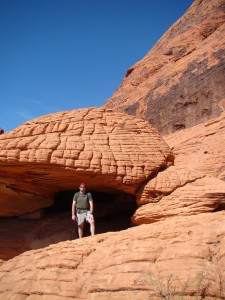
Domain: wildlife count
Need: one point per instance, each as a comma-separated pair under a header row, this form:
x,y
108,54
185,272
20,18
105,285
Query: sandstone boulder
x,y
200,196
110,151
195,184
180,82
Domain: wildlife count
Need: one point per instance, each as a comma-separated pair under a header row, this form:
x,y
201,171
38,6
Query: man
x,y
82,210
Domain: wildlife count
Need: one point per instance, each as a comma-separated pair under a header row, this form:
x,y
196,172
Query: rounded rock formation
x,y
108,150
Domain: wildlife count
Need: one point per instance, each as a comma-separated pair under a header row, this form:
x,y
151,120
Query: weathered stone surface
x,y
139,263
53,153
18,236
165,183
195,184
200,196
182,189
201,148
180,82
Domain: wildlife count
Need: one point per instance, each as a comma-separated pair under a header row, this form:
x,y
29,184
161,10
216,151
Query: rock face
x,y
201,148
180,82
1,131
195,184
110,151
176,183
183,257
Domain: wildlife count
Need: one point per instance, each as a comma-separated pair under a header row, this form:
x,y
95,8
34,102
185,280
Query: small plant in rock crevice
x,y
172,289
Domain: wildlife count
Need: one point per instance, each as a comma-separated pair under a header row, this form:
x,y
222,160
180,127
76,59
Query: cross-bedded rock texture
x,y
53,153
201,148
178,249
180,82
183,257
195,184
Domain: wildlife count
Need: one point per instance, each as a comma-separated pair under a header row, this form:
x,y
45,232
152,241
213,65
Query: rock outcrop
x,y
201,196
180,82
195,184
110,151
172,187
183,257
200,148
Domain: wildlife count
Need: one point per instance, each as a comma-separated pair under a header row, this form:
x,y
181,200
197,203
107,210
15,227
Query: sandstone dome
x,y
110,151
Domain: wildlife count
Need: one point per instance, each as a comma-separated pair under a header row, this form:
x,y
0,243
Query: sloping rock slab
x,y
183,256
200,196
201,148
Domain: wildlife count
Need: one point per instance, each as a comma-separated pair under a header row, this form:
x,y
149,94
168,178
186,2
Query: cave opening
x,y
112,210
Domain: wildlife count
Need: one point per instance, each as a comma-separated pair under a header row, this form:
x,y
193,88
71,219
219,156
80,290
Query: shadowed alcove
x,y
112,211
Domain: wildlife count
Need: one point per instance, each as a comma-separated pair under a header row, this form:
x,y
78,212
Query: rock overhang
x,y
108,150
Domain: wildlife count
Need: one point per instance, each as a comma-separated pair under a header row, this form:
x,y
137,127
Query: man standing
x,y
82,210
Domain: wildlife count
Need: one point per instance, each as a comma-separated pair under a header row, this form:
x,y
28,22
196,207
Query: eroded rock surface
x,y
180,82
179,244
200,196
195,184
201,148
183,255
110,151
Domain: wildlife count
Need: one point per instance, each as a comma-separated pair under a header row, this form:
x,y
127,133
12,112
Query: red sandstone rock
x,y
116,152
180,82
200,196
196,183
1,131
165,183
183,189
139,263
201,148
106,149
18,236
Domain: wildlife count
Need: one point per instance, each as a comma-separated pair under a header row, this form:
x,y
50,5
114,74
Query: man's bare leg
x,y
92,227
81,230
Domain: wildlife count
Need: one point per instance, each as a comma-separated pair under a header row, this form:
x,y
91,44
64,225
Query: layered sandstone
x,y
201,148
110,151
195,184
180,82
183,257
200,196
178,248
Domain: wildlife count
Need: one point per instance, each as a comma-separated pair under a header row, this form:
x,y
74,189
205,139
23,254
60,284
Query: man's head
x,y
82,187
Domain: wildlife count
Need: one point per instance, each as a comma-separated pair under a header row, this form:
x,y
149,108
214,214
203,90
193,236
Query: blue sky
x,y
59,55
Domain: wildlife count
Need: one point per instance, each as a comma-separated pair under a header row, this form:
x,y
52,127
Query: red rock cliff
x,y
180,82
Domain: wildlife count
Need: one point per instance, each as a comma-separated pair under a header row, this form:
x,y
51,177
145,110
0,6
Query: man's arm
x,y
91,207
73,211
91,203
